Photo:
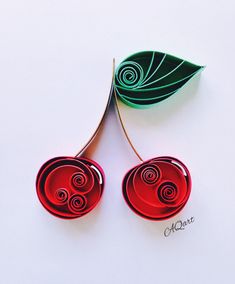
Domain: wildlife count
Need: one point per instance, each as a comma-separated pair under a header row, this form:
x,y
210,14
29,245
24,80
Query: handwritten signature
x,y
178,226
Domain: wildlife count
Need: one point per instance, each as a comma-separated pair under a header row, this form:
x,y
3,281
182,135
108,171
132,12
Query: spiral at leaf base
x,y
130,74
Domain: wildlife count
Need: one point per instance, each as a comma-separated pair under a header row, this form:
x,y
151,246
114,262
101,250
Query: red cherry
x,y
157,189
70,187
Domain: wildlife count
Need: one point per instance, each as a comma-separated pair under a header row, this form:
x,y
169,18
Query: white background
x,y
55,74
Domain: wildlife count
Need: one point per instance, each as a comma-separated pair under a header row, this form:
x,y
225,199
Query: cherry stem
x,y
102,119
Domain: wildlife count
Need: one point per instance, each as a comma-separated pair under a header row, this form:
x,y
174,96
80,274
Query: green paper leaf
x,y
148,77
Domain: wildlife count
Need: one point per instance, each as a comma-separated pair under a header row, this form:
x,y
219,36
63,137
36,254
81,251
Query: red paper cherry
x,y
70,187
157,189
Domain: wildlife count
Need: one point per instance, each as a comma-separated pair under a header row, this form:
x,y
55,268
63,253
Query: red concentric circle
x,y
157,189
70,187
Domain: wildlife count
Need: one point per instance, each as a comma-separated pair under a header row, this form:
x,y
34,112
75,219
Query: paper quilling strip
x,y
159,188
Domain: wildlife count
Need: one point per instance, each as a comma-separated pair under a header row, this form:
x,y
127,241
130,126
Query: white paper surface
x,y
55,73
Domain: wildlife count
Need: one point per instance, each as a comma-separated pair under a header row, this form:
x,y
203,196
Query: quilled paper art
x,y
70,187
148,77
159,188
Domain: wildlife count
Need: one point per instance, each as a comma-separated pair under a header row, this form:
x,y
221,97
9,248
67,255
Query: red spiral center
x,y
150,175
77,203
61,195
79,179
167,192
